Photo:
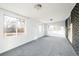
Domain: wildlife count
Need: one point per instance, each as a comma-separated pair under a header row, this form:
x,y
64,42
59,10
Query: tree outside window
x,y
12,26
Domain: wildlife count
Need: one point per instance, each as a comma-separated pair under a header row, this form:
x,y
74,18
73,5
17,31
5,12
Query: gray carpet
x,y
45,46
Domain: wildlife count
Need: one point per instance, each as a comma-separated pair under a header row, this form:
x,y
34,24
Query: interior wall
x,y
57,24
69,29
31,32
45,29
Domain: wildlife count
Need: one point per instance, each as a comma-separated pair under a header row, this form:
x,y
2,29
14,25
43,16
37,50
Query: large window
x,y
13,26
55,30
41,29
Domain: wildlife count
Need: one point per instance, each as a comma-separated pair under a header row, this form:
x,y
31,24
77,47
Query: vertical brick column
x,y
75,22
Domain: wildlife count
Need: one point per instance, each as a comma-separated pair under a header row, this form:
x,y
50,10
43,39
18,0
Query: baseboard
x,y
20,45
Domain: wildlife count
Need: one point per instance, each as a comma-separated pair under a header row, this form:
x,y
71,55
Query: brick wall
x,y
75,29
74,19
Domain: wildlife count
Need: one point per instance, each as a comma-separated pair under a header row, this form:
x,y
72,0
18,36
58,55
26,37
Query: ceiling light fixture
x,y
38,6
51,19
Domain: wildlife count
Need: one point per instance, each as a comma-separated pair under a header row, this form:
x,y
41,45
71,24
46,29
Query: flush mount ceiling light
x,y
38,6
51,19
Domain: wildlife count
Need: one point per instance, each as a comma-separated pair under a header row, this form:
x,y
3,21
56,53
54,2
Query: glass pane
x,y
13,26
20,26
10,25
40,28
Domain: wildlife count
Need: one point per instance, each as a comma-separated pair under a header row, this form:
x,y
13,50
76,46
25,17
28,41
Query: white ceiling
x,y
57,11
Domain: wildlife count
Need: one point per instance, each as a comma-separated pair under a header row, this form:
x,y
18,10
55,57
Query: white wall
x,y
31,32
58,33
45,28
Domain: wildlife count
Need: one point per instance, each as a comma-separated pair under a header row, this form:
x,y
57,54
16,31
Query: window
x,y
40,28
12,26
56,29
